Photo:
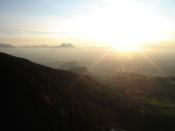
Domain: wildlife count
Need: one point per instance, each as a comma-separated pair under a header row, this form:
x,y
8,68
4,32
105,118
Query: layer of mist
x,y
101,62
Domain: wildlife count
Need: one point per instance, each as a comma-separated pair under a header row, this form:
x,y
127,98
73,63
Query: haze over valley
x,y
101,61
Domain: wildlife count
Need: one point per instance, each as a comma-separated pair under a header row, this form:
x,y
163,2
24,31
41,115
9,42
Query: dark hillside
x,y
38,98
34,97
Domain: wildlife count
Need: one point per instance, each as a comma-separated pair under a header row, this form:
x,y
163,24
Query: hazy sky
x,y
86,22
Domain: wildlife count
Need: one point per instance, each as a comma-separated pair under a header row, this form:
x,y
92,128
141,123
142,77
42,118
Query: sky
x,y
86,22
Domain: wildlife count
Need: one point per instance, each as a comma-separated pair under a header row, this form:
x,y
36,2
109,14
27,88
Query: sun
x,y
126,42
125,47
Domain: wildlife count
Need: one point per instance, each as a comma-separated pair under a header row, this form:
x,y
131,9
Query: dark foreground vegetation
x,y
38,98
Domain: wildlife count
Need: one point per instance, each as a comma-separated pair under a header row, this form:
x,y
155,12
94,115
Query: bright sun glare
x,y
122,24
125,47
128,26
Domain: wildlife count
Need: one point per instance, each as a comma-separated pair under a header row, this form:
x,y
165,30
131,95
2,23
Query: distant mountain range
x,y
37,46
66,45
2,45
63,45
